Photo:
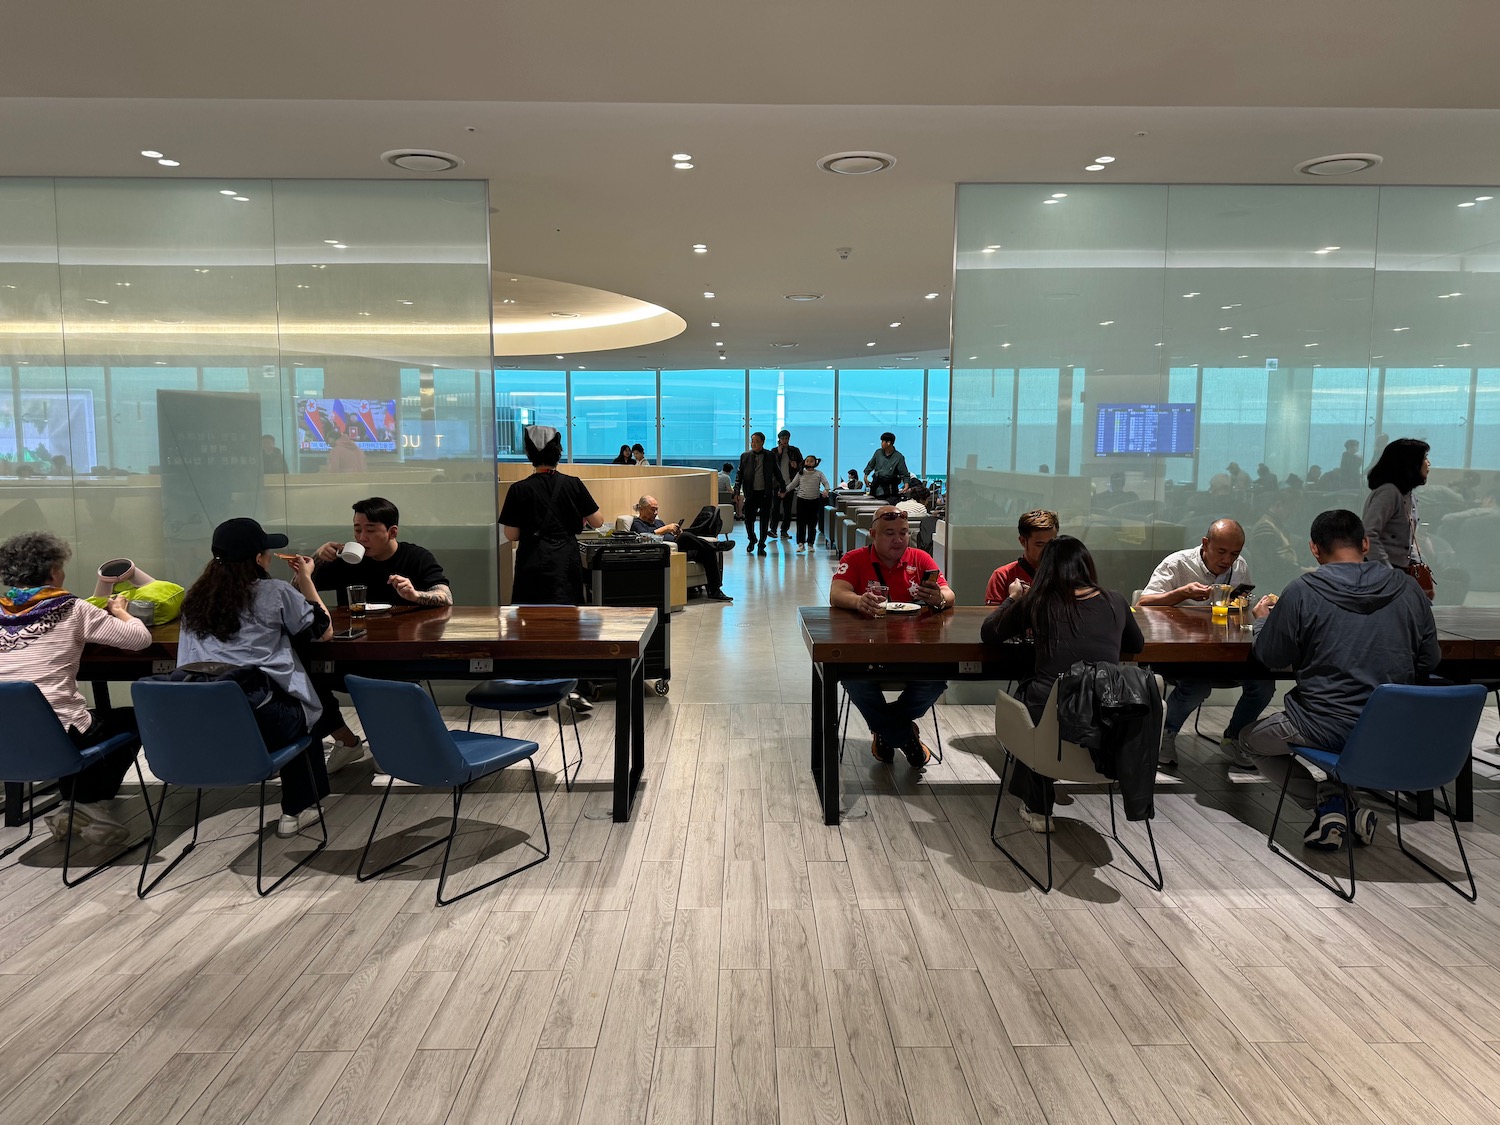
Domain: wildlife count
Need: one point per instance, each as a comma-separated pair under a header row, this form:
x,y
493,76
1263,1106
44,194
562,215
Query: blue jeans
x,y
892,722
1188,694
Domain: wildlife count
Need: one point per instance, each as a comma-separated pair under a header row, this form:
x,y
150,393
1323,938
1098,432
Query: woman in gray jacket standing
x,y
1390,515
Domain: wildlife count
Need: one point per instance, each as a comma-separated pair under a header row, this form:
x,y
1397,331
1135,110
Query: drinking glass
x,y
356,595
1219,601
883,592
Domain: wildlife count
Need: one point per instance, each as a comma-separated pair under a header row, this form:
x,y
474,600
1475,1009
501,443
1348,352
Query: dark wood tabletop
x,y
465,632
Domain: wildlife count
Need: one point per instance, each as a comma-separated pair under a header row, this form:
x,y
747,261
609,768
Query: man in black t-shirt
x,y
410,572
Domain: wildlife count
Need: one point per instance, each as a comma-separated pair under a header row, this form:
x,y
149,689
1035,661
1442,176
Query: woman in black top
x,y
1072,618
543,514
624,457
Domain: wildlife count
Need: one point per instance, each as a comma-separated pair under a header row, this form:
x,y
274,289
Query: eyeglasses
x,y
892,516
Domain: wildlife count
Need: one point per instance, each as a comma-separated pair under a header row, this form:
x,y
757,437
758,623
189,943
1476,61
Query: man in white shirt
x,y
1185,578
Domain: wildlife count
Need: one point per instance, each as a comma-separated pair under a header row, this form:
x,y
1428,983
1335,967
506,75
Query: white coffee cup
x,y
352,552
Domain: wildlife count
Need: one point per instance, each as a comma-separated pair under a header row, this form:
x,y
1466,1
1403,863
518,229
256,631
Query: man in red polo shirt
x,y
1035,530
891,561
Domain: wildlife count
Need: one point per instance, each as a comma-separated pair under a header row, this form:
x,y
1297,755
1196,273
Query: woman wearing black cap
x,y
238,614
541,515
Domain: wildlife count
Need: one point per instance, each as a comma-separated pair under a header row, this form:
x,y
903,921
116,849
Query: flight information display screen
x,y
1165,429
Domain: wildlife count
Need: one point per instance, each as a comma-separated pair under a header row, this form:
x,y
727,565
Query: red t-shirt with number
x,y
858,569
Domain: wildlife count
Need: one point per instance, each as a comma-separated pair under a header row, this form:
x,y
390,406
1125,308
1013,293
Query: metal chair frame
x,y
562,740
447,841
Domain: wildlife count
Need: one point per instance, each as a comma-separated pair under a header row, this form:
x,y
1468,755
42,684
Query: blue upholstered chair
x,y
1408,739
515,696
409,741
203,736
37,748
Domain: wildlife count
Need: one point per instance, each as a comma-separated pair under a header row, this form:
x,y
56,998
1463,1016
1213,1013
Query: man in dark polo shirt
x,y
408,571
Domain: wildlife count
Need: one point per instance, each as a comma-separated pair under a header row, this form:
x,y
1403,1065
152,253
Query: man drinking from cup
x,y
890,569
375,559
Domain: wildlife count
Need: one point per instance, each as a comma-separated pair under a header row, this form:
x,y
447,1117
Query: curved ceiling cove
x,y
538,316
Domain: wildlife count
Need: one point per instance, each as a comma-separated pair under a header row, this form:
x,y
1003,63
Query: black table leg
x,y
625,700
1463,792
637,728
817,727
829,705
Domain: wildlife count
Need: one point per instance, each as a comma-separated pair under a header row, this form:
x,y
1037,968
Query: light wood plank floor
x,y
725,957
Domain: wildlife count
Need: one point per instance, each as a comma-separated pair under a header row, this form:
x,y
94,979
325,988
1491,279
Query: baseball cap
x,y
242,538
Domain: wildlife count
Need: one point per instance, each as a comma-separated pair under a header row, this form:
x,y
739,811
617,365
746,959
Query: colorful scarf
x,y
33,608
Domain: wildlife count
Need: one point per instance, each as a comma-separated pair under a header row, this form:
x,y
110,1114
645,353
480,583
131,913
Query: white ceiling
x,y
572,113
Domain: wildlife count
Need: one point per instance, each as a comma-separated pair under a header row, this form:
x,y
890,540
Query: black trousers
x,y
787,506
281,720
809,515
703,551
101,780
762,506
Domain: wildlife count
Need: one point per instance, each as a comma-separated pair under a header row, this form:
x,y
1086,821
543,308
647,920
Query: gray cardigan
x,y
1388,525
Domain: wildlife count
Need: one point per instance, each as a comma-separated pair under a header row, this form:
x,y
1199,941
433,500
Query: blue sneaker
x,y
1328,827
1364,822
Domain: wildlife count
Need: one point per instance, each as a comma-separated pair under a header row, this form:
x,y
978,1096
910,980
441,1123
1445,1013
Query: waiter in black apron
x,y
543,514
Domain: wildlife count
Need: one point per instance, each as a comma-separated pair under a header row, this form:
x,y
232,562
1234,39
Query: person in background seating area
x,y
886,472
704,551
811,490
852,483
914,500
43,629
638,456
1184,578
624,457
1034,530
1343,629
788,464
891,561
761,482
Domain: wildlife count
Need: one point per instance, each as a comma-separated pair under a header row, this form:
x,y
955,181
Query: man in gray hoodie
x,y
1343,629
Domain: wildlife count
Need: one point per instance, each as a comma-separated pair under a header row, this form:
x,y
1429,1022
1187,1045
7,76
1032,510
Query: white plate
x,y
377,607
902,607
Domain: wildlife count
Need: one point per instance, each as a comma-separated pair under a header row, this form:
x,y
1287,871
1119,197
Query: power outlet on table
x,y
162,667
482,665
970,667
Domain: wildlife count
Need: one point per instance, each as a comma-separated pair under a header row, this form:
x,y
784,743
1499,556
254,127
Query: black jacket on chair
x,y
1114,711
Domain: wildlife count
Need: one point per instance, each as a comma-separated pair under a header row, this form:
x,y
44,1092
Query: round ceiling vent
x,y
785,344
802,297
421,160
1340,164
856,163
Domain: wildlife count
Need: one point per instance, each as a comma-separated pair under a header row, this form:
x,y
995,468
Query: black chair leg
x,y
1327,881
562,747
1156,881
937,734
68,843
470,724
1473,893
1045,888
30,820
260,835
143,888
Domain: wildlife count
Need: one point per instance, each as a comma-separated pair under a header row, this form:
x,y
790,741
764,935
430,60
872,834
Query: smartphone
x,y
1243,590
349,634
930,577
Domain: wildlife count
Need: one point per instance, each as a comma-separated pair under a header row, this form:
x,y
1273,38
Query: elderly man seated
x,y
898,572
695,547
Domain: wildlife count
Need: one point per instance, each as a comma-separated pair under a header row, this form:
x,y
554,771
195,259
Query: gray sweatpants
x,y
1269,742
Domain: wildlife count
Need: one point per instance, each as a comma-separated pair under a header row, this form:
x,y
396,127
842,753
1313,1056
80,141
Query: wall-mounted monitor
x,y
372,423
1162,429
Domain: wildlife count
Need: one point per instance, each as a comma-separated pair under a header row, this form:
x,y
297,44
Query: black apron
x,y
549,569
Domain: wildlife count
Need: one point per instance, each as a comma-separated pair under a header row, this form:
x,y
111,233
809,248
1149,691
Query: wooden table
x,y
1179,642
465,642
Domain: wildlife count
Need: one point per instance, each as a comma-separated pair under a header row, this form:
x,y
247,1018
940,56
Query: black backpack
x,y
707,524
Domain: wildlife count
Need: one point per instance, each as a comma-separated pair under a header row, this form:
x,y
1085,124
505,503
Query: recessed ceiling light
x,y
401,302
1227,328
887,367
557,357
241,198
197,270
802,296
718,343
1339,164
340,246
1483,198
331,241
564,315
895,324
123,284
507,300
1059,195
700,248
856,163
1463,345
931,297
1006,344
228,191
989,249
160,362
1406,329
1234,306
973,357
1093,167
682,156
1309,345
1242,357
1466,204
151,153
784,344
1249,335
97,300
684,166
1104,160
713,324
709,293
1105,323
1377,357
871,344
170,163
906,358
1194,293
1049,201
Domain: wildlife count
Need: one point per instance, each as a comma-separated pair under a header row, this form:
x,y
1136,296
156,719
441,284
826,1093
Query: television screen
x,y
1165,429
321,420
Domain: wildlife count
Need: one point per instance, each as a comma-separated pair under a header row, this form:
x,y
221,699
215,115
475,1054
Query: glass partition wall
x,y
1144,359
177,353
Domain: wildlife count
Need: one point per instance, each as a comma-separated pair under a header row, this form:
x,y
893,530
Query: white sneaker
x,y
1035,820
1167,755
1234,750
289,825
341,756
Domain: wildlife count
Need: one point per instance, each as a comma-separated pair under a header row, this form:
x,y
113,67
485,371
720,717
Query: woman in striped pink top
x,y
43,629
